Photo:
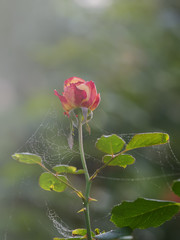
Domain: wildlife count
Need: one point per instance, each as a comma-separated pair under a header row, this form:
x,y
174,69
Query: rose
x,y
78,93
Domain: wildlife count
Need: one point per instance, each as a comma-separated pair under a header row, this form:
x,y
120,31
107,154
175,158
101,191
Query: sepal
x,y
84,115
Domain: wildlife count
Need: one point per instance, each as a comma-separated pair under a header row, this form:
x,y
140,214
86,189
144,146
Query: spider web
x,y
154,169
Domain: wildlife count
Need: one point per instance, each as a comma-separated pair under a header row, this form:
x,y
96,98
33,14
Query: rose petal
x,y
66,106
74,95
93,93
90,89
73,80
95,103
84,87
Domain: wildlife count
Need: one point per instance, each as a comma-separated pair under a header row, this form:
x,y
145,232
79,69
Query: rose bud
x,y
78,94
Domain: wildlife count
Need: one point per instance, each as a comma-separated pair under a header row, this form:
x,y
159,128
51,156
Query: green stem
x,y
106,164
88,181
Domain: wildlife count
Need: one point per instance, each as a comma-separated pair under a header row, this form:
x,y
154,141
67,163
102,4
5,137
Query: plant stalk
x,y
106,164
87,178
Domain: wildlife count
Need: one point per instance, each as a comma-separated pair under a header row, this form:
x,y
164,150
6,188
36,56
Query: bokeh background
x,y
131,49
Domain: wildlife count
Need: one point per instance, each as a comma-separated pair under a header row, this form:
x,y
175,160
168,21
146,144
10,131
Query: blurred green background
x,y
131,50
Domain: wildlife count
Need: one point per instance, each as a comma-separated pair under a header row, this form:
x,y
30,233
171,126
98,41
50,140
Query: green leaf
x,y
121,160
67,169
64,169
79,171
81,232
120,233
49,182
71,238
97,231
176,187
147,139
110,144
143,213
28,158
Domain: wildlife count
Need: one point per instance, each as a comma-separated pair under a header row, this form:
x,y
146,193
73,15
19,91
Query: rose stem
x,y
87,178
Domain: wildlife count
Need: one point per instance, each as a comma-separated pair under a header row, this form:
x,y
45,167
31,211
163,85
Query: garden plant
x,y
79,100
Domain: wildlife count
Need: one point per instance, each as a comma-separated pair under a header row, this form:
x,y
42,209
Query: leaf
x,y
121,160
81,232
79,171
176,187
97,231
147,139
64,169
120,233
49,182
28,158
110,144
143,213
71,238
67,169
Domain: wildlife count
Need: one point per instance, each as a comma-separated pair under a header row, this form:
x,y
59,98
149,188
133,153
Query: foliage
x,y
110,144
142,213
28,158
121,160
49,182
67,169
176,187
120,233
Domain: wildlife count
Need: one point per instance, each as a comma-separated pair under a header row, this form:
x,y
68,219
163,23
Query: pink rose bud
x,y
78,93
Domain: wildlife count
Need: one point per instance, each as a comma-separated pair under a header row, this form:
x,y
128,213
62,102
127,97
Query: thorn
x,y
80,195
81,210
92,199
